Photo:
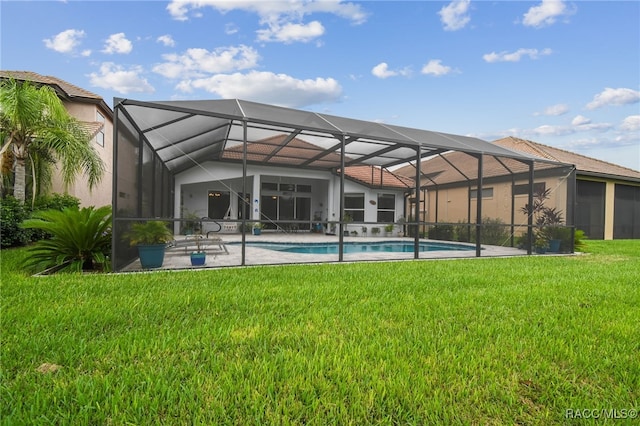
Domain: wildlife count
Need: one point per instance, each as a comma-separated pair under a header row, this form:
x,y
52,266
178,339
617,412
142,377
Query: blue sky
x,y
562,73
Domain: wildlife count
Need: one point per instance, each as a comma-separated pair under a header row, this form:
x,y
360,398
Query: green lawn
x,y
474,341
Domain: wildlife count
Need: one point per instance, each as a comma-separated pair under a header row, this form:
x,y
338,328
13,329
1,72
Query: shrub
x,y
441,232
463,232
81,240
13,212
494,232
51,202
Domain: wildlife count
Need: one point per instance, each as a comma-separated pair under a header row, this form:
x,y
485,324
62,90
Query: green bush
x,y
441,232
463,231
55,202
13,213
494,232
81,240
51,202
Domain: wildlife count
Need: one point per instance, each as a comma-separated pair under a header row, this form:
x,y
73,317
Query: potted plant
x,y
257,228
375,231
547,220
199,256
151,238
364,231
346,219
388,229
401,221
191,222
331,228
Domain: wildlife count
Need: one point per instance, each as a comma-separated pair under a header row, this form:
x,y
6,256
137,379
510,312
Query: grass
x,y
481,342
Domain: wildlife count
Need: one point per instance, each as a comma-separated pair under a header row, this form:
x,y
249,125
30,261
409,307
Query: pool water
x,y
356,247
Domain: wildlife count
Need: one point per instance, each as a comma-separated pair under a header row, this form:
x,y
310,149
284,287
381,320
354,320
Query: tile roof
x,y
376,177
65,88
438,169
276,150
584,164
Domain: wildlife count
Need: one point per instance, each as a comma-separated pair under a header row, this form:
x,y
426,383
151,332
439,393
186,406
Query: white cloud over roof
x,y
267,87
115,77
197,62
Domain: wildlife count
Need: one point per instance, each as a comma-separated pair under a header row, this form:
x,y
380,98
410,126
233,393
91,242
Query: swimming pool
x,y
359,247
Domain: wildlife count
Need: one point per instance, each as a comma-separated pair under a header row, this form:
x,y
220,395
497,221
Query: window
x,y
269,186
538,188
100,134
354,206
486,193
386,207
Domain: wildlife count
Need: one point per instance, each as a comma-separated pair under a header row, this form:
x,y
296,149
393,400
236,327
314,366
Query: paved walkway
x,y
177,258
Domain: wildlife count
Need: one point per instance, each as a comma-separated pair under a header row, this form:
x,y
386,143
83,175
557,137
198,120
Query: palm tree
x,y
36,128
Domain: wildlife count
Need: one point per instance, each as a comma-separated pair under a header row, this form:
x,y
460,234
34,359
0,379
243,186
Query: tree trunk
x,y
19,187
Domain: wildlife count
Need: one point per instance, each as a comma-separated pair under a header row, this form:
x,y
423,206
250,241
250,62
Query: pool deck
x,y
177,258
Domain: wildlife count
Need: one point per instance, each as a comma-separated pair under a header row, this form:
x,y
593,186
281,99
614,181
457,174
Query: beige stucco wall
x,y
101,194
453,202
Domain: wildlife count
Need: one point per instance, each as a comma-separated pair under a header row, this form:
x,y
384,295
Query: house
x,y
599,198
91,110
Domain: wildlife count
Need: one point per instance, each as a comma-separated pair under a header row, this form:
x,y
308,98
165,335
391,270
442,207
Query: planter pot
x,y
554,246
198,259
257,231
151,256
541,250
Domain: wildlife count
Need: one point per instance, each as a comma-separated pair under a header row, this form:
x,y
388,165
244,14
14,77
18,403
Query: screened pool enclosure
x,y
224,170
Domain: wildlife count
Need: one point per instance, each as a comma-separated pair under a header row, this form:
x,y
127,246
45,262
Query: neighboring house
x,y
95,114
607,196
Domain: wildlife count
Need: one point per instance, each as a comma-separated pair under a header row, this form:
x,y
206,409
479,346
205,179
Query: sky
x,y
561,73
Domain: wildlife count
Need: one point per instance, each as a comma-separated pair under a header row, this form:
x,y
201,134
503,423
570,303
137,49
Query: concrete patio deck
x,y
176,258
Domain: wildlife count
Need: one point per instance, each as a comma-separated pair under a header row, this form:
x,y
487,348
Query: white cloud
x,y
631,123
515,56
167,40
115,77
382,71
117,43
289,33
65,42
284,20
555,110
580,120
546,13
435,67
230,28
549,130
454,16
609,96
198,62
267,87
